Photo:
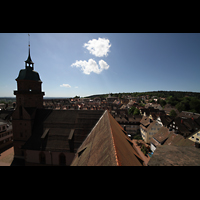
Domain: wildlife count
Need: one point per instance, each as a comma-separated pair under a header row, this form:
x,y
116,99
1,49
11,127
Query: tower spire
x,y
29,40
29,62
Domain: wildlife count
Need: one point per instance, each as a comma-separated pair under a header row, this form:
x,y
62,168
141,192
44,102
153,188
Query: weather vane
x,y
29,40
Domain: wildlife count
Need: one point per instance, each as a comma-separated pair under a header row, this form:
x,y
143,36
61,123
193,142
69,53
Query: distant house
x,y
123,107
111,99
159,138
168,108
186,127
177,140
195,137
131,123
174,148
148,128
2,106
124,101
6,134
155,106
185,114
130,103
166,137
150,110
164,120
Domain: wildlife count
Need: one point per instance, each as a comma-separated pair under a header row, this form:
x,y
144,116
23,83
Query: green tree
x,y
136,112
180,106
144,149
131,110
186,101
172,100
195,104
162,102
152,101
172,113
141,104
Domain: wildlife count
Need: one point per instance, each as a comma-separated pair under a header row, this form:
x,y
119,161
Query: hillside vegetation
x,y
183,101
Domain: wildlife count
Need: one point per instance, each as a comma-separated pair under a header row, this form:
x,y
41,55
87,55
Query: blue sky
x,y
83,64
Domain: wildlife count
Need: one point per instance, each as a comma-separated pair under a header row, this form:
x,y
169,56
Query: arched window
x,y
42,158
62,159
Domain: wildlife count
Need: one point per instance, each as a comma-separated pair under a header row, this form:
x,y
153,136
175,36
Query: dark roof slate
x,y
166,119
59,124
28,74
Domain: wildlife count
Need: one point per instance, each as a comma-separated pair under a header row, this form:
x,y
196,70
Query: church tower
x,y
29,97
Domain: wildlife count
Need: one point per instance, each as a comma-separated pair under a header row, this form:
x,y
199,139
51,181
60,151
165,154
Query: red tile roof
x,y
107,145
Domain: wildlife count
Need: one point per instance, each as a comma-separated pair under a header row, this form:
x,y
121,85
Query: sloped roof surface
x,y
162,134
97,148
166,119
146,123
28,74
126,152
107,145
178,140
60,123
186,126
175,156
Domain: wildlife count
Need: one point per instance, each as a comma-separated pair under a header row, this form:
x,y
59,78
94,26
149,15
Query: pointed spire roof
x,y
29,58
28,73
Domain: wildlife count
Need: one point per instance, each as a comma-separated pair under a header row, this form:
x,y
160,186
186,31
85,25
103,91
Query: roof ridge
x,y
90,143
115,149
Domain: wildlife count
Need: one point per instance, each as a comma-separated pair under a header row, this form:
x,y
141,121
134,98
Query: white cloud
x,y
91,66
76,86
65,85
103,64
98,47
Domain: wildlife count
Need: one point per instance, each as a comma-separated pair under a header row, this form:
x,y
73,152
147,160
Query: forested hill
x,y
164,94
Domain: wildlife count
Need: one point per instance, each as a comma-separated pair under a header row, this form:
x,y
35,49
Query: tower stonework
x,y
29,97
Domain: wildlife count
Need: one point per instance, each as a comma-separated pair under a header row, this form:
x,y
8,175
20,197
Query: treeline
x,y
190,104
7,99
164,94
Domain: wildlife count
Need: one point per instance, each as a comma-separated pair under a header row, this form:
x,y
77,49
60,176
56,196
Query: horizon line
x,y
113,93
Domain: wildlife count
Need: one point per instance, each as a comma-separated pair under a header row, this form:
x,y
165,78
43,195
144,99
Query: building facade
x,y
195,137
148,128
6,134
